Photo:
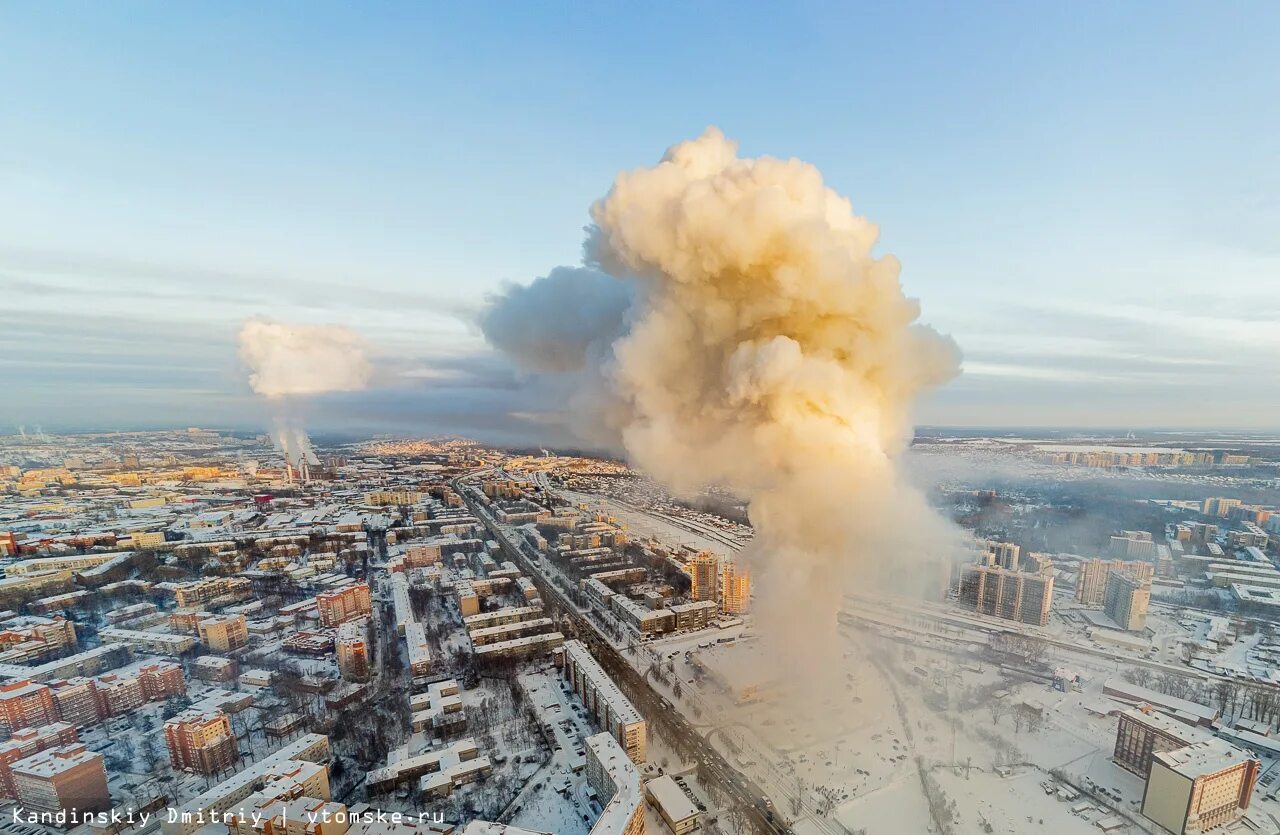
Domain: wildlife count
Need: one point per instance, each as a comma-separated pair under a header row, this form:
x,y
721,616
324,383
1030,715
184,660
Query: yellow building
x,y
224,633
703,568
735,589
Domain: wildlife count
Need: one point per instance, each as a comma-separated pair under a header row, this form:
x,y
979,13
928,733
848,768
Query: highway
x,y
657,710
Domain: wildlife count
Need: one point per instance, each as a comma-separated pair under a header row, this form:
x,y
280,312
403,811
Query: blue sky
x,y
1084,195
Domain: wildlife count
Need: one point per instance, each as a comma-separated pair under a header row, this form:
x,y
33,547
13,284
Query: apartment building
x,y
1127,601
1144,732
201,742
69,777
352,648
25,704
224,633
76,701
1091,580
341,605
735,589
617,784
612,711
30,741
1012,595
703,569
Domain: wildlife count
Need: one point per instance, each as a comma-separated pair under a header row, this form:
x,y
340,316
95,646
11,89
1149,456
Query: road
x,y
656,709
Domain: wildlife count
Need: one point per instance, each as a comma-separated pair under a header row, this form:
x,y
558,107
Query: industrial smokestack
x,y
761,347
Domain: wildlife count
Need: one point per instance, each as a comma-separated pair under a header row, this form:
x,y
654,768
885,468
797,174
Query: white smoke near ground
x,y
289,359
763,348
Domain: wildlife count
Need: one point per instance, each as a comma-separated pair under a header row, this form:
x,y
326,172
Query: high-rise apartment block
x,y
341,605
352,649
1006,555
1012,595
76,700
70,777
30,741
703,568
1127,601
201,742
735,589
224,633
25,704
162,680
1091,580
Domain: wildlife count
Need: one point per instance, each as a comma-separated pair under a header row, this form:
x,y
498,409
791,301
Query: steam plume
x,y
286,359
763,348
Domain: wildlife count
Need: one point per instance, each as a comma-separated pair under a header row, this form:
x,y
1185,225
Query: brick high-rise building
x,y
344,604
1091,580
735,589
70,777
76,700
1013,595
201,742
118,695
162,680
25,704
352,647
224,633
26,742
703,568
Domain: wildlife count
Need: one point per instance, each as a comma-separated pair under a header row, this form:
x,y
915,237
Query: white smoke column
x,y
287,359
767,350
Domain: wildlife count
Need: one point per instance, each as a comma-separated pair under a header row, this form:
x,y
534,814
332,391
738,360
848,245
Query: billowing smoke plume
x,y
762,347
286,359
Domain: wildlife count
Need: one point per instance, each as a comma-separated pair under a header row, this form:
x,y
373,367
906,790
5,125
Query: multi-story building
x,y
27,639
76,700
1132,545
224,633
118,695
617,784
1006,555
1012,595
201,742
30,741
352,647
70,777
162,680
25,704
612,710
415,639
1218,506
1127,600
1143,732
1199,787
735,589
341,605
694,615
1091,580
703,568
